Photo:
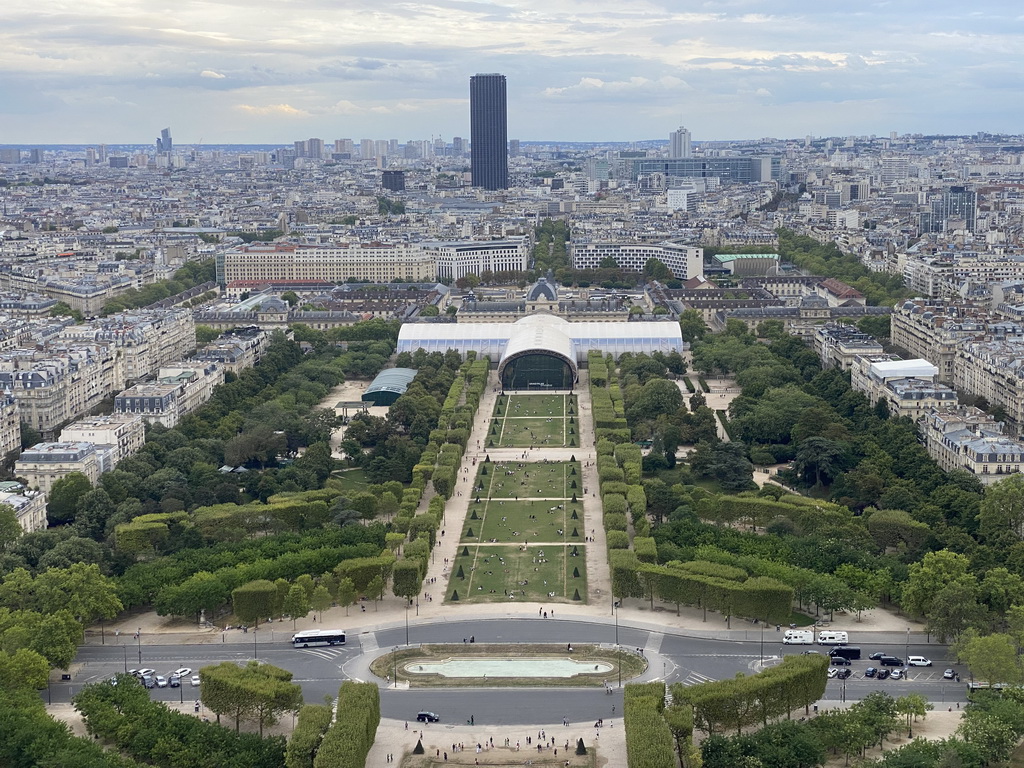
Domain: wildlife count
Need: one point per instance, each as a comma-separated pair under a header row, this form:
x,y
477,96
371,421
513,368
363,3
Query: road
x,y
675,658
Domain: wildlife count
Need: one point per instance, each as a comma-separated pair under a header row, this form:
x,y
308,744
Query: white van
x,y
830,637
798,637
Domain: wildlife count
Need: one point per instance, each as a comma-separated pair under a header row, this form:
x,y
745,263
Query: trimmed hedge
x,y
348,741
649,741
617,539
312,724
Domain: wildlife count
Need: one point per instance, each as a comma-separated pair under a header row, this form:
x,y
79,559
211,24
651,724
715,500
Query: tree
x,y
1002,508
296,603
406,579
254,600
657,397
992,659
203,591
927,577
81,589
913,706
376,589
320,600
955,608
819,458
94,509
10,528
655,269
990,735
257,691
23,668
62,502
692,325
346,593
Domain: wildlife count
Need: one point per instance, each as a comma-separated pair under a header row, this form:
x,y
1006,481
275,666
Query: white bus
x,y
318,637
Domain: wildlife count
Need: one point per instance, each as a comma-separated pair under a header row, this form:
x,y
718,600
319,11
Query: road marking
x,y
653,643
324,653
695,678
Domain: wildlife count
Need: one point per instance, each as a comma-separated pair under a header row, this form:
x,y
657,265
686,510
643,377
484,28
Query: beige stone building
x,y
178,391
126,432
970,439
908,387
10,426
376,262
29,506
44,464
994,370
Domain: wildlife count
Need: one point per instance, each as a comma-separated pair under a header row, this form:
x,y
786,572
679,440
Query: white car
x,y
145,672
832,672
182,672
195,681
161,681
897,674
918,661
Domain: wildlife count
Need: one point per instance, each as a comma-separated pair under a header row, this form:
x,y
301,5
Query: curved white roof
x,y
491,338
540,333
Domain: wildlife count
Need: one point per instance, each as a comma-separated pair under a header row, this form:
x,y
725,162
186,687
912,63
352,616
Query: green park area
x,y
525,421
528,480
496,521
525,573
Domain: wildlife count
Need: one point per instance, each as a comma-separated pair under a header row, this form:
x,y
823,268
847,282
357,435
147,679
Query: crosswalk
x,y
696,678
326,652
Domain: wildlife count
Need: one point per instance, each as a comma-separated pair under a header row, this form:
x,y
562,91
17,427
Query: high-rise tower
x,y
165,143
488,131
679,144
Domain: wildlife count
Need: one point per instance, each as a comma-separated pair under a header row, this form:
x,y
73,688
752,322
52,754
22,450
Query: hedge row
x,y
348,741
731,704
649,742
312,724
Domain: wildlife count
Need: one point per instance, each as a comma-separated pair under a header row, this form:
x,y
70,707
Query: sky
x,y
273,71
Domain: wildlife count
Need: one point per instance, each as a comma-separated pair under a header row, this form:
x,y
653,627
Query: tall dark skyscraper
x,y
165,143
488,117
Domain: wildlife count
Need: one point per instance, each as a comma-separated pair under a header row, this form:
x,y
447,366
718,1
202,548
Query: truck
x,y
832,637
798,637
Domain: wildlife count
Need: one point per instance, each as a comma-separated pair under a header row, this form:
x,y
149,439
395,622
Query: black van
x,y
890,661
850,652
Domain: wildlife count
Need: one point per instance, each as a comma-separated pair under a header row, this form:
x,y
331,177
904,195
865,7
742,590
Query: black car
x,y
891,661
839,661
883,674
876,656
844,673
870,672
428,717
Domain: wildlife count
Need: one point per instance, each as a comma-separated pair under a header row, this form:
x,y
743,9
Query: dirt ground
x,y
399,739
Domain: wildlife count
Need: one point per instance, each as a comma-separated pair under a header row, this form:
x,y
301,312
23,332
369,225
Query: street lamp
x,y
394,665
618,649
138,636
762,643
906,650
125,649
254,643
406,622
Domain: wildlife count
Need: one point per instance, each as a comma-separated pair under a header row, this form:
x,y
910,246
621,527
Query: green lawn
x,y
516,522
534,573
524,421
522,479
351,480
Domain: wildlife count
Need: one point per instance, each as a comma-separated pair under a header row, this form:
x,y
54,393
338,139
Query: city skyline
x,y
594,71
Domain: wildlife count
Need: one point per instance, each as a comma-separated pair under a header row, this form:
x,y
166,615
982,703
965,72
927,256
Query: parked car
x,y
839,661
844,673
133,672
146,672
195,681
174,682
891,661
148,681
949,674
883,674
918,661
183,672
428,717
161,681
870,672
876,655
808,653
897,674
832,672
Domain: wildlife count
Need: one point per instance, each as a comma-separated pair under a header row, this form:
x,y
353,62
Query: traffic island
x,y
505,665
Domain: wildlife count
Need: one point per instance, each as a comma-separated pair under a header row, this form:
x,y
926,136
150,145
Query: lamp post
x,y
762,644
138,636
906,650
125,649
394,665
407,623
254,643
618,649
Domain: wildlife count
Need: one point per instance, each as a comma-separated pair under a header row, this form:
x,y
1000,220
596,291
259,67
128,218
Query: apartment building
x,y
178,391
44,464
970,439
934,331
29,506
839,345
236,350
376,262
455,260
684,261
994,370
10,426
126,432
908,387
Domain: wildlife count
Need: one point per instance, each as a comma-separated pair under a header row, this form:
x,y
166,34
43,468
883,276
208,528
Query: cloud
x,y
209,73
272,109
